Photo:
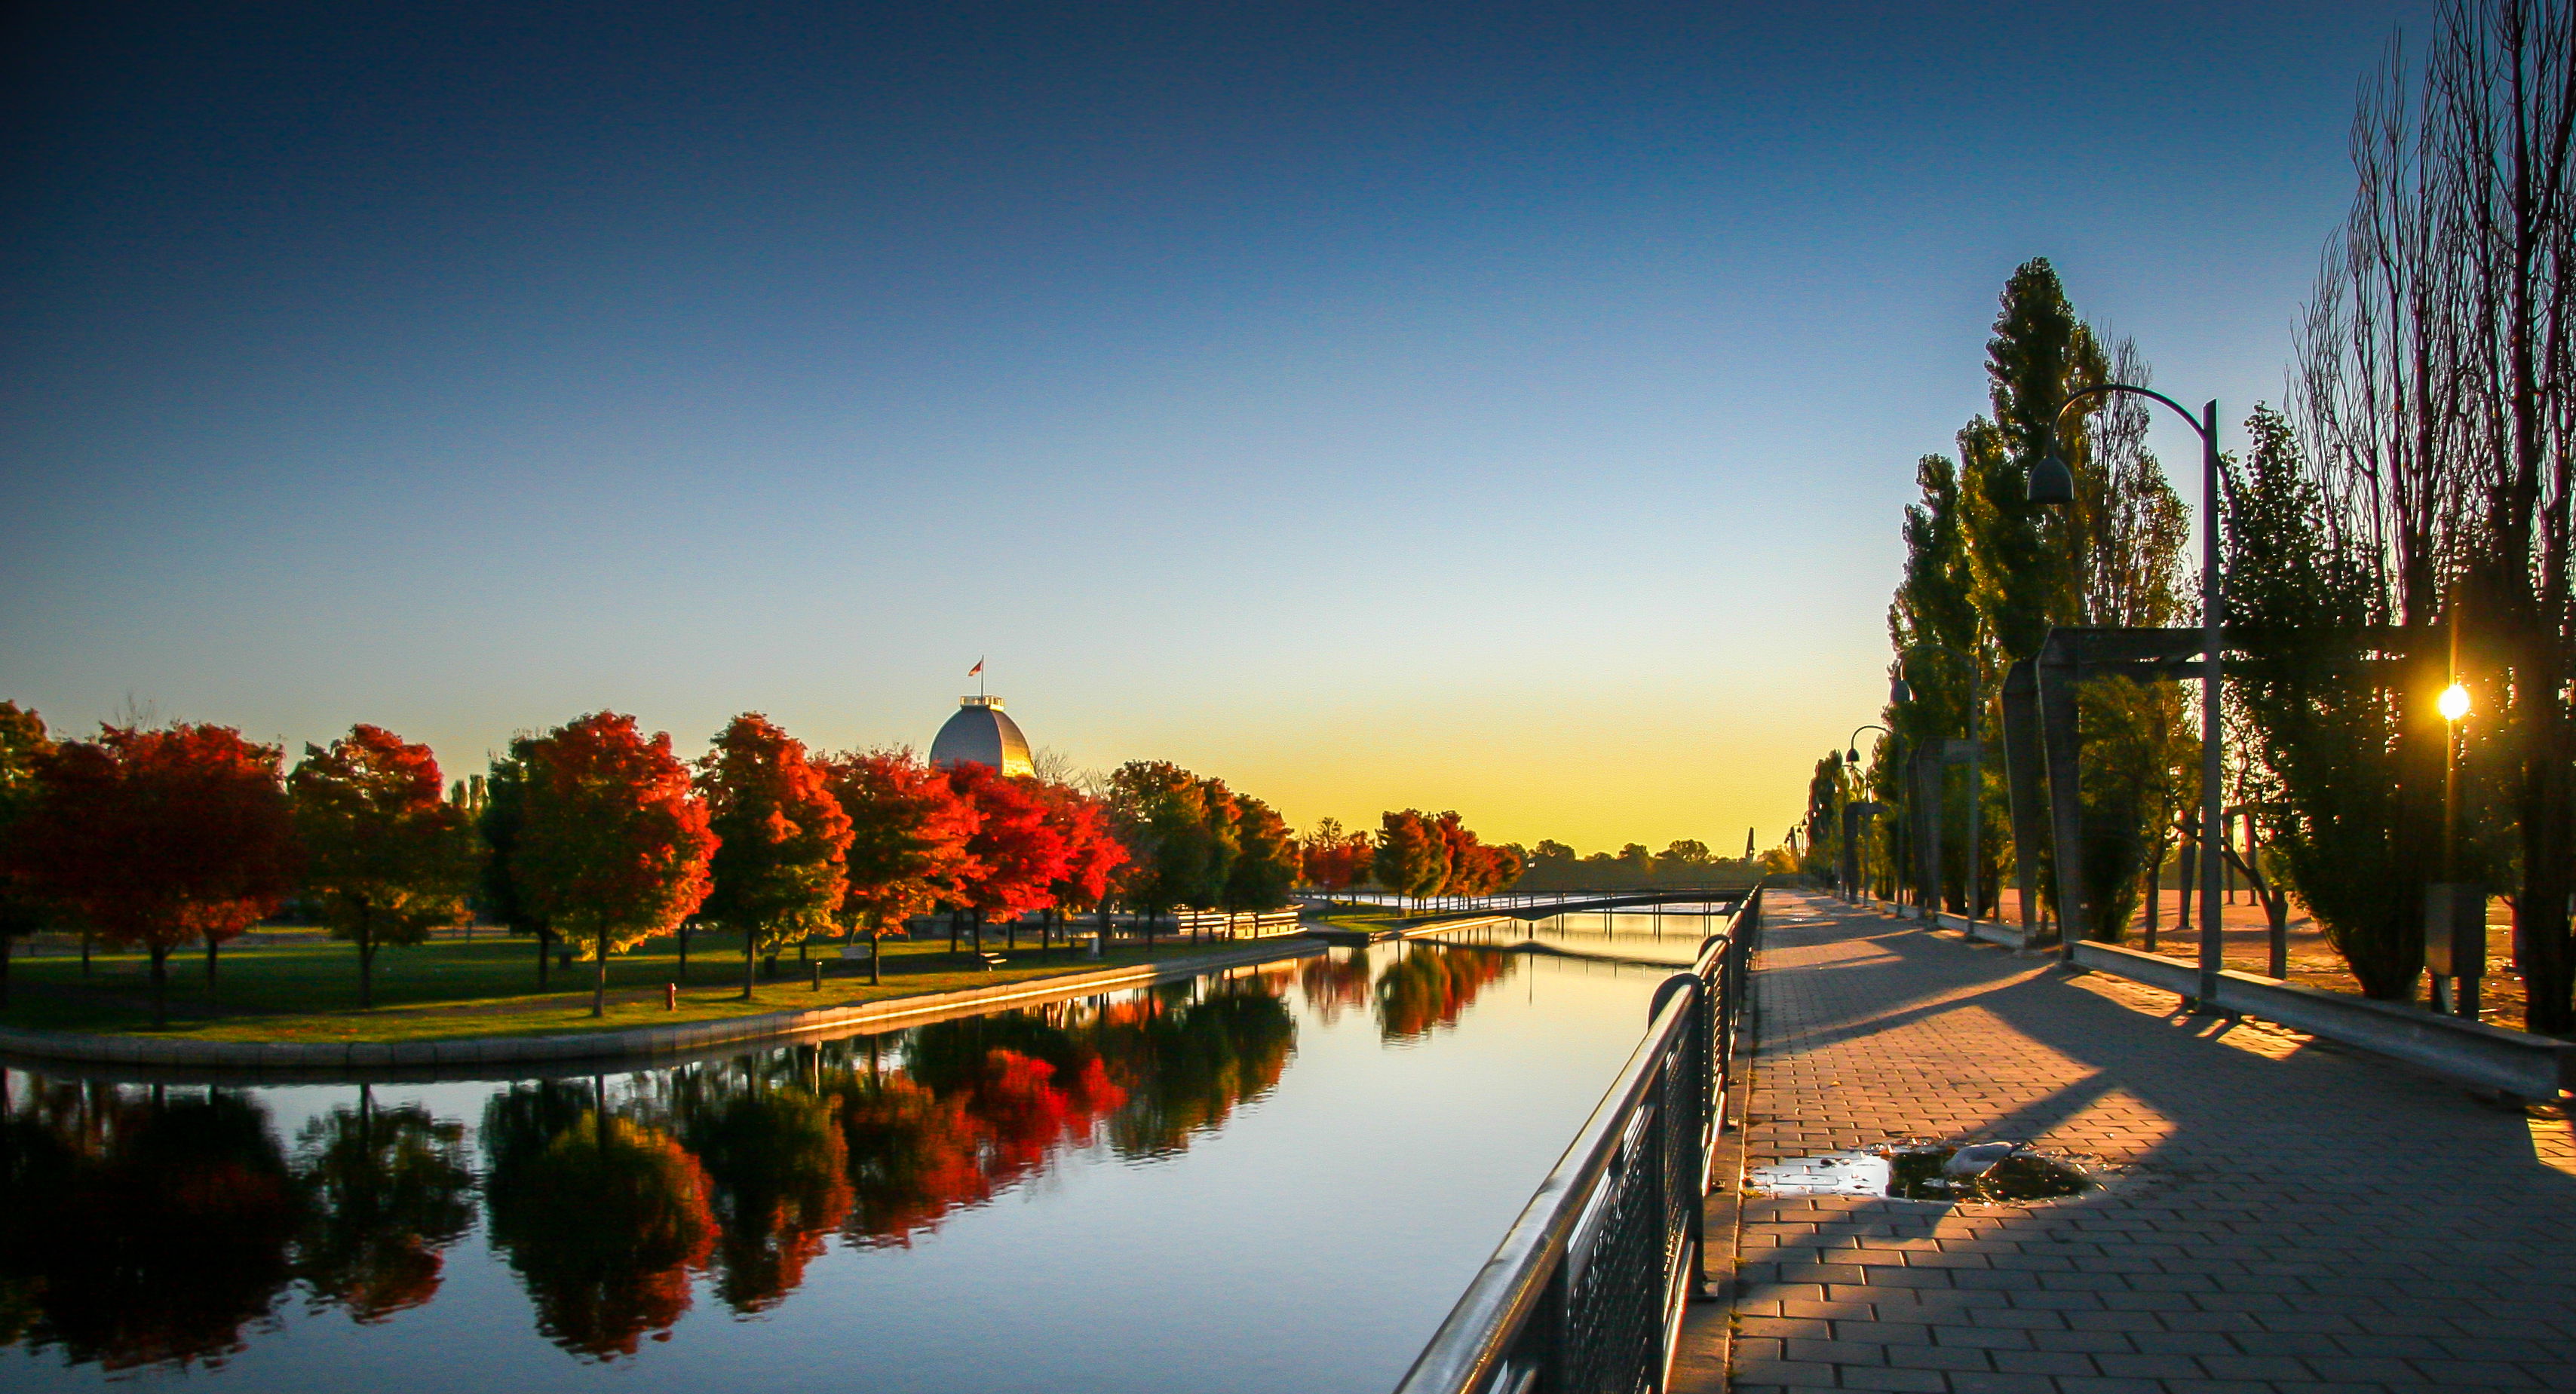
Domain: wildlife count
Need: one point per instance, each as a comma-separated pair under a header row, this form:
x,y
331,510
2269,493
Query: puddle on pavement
x,y
1989,1171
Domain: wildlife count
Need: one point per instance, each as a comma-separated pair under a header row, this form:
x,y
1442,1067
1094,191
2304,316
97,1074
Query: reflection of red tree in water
x,y
918,1154
136,1233
1432,986
1331,984
780,1166
1190,1066
604,1225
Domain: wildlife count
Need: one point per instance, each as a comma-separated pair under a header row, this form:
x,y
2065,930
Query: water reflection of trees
x,y
780,1167
136,1230
389,1190
1432,986
985,1102
1333,981
140,1233
603,1218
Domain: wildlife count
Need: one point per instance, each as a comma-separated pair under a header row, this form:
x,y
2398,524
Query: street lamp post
x,y
2053,483
1976,771
1851,838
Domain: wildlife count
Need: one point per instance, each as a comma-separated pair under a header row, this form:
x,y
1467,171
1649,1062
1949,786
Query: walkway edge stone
x,y
311,1057
2517,1062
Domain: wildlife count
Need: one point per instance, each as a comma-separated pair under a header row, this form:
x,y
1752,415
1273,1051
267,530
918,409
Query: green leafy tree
x,y
23,747
387,858
1412,857
498,823
781,838
2024,557
1159,812
2322,724
1266,860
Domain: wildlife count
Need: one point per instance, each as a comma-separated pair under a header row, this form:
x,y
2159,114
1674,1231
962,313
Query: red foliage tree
x,y
907,852
160,837
1332,859
1018,855
1411,857
612,848
1092,854
781,838
388,856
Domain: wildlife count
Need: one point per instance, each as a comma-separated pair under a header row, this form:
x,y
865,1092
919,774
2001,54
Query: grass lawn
x,y
487,987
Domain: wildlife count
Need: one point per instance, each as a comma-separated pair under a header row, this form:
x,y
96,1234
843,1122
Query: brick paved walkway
x,y
2291,1216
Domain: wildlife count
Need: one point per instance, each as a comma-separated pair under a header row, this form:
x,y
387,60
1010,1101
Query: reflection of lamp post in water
x,y
1976,773
1851,834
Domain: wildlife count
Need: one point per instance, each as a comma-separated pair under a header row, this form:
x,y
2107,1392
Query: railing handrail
x,y
1478,1332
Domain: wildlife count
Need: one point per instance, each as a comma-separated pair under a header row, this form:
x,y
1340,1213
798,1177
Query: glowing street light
x,y
2454,702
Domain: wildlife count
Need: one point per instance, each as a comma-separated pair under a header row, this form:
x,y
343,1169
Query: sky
x,y
1502,408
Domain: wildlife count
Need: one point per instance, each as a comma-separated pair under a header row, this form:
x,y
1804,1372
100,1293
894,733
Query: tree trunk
x,y
2155,892
160,986
366,970
876,952
210,968
684,951
599,980
2187,914
545,941
750,943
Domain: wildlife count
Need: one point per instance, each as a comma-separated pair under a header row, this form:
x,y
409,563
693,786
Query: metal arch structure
x,y
2043,737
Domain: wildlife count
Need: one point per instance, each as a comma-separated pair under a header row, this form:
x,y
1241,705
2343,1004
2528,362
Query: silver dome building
x,y
981,734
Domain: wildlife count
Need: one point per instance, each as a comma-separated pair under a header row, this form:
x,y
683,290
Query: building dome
x,y
980,734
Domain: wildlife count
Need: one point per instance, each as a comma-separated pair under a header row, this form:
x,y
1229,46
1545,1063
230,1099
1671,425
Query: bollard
x,y
818,975
670,997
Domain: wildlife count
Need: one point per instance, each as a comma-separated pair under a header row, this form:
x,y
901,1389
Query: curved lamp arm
x,y
2053,482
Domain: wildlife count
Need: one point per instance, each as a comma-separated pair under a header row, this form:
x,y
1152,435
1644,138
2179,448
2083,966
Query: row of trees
x,y
594,836
1412,854
1413,849
606,1211
2416,500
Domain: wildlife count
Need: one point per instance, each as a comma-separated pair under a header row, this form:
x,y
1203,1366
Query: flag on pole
x,y
977,670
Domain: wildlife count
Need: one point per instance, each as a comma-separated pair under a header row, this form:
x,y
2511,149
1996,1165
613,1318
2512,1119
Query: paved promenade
x,y
2286,1215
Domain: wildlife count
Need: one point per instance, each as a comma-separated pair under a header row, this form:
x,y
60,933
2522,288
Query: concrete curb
x,y
2516,1062
479,1056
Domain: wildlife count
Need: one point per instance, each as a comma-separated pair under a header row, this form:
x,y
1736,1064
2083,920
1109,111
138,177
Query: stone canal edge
x,y
467,1055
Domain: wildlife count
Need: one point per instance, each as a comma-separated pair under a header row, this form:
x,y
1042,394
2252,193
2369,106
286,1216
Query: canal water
x,y
1277,1180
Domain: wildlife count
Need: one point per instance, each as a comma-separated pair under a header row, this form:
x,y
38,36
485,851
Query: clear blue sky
x,y
1497,407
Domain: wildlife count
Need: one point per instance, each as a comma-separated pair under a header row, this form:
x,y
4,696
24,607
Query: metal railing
x,y
1235,924
1587,1289
1529,900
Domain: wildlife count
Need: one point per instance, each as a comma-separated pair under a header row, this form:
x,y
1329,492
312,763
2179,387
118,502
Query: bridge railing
x,y
1587,1289
1715,893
